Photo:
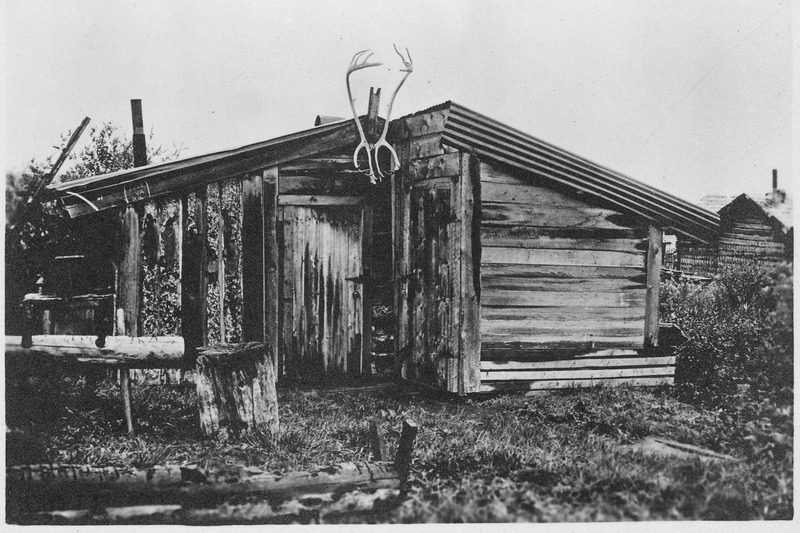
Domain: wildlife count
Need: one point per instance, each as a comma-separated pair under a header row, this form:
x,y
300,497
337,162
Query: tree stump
x,y
236,390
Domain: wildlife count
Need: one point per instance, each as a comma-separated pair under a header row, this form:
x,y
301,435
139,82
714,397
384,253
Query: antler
x,y
409,68
359,62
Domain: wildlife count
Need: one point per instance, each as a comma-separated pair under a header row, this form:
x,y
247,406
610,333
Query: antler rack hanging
x,y
361,61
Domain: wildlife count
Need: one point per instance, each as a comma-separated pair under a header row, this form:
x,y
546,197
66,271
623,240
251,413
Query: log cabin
x,y
752,230
508,263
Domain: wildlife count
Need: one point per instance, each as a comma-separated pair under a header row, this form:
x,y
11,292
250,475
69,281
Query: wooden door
x,y
323,288
433,279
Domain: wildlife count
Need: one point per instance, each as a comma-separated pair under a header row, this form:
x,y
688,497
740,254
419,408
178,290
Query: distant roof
x,y
772,206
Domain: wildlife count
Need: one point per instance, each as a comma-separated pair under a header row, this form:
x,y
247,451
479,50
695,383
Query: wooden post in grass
x,y
236,389
402,460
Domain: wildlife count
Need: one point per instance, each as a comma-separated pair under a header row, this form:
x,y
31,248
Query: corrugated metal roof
x,y
471,131
261,150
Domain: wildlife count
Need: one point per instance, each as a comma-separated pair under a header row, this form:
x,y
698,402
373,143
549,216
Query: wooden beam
x,y
367,289
221,264
253,259
138,352
271,294
653,283
470,244
125,391
129,278
321,200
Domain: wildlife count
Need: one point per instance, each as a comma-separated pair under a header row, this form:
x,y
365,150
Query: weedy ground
x,y
559,457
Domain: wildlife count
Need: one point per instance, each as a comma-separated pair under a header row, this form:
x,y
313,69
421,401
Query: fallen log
x,y
130,352
322,508
31,489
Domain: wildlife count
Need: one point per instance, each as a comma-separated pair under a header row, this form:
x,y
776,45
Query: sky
x,y
691,97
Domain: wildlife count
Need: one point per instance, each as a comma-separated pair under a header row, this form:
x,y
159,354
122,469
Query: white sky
x,y
693,97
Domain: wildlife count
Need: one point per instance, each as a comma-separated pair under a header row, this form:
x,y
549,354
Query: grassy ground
x,y
560,457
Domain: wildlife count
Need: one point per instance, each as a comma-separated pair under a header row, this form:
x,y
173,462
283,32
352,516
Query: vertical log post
x,y
402,460
470,260
236,390
129,296
270,261
653,285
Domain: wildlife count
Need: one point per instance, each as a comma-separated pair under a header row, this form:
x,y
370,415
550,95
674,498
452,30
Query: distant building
x,y
759,230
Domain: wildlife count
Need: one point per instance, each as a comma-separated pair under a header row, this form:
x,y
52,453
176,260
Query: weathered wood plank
x,y
308,200
324,183
526,352
193,271
567,272
470,271
253,268
129,276
616,328
418,125
530,237
576,216
562,299
569,364
654,253
366,291
533,256
593,373
270,182
438,166
566,314
511,283
516,348
575,383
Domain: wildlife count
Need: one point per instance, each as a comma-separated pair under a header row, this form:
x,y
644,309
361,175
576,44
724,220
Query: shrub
x,y
739,330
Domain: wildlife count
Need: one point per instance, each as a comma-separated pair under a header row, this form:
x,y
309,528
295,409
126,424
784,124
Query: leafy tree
x,y
36,233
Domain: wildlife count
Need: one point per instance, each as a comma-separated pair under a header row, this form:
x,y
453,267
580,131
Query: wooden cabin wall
x,y
432,207
746,237
563,289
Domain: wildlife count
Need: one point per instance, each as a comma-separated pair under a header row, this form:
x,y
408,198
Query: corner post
x,y
653,284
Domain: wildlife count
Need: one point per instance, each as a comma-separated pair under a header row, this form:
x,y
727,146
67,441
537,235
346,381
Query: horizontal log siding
x,y
560,278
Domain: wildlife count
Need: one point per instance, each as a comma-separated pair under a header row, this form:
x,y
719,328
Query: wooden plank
x,y
567,272
273,300
366,291
592,373
418,125
563,299
529,237
150,322
576,216
427,146
221,263
525,352
470,273
321,200
584,362
253,268
516,345
565,328
653,284
511,283
566,314
170,220
326,184
434,183
128,279
577,383
438,166
533,256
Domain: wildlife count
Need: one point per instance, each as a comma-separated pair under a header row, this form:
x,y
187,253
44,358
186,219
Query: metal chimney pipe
x,y
139,144
774,180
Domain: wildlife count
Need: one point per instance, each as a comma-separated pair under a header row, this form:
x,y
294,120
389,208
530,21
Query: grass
x,y
559,457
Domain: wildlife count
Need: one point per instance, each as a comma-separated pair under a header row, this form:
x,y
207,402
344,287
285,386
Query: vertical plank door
x,y
323,289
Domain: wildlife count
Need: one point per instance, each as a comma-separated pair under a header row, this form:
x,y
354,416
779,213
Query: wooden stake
x,y
402,460
125,391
